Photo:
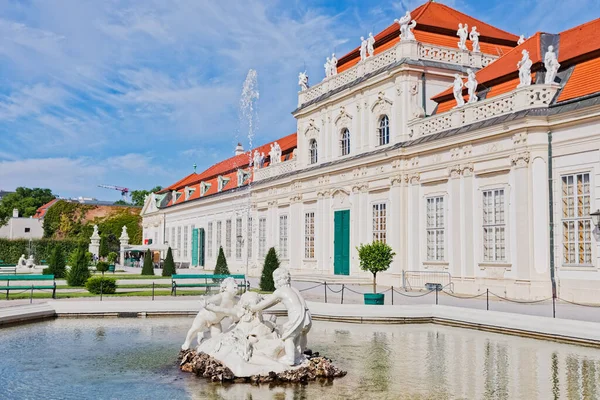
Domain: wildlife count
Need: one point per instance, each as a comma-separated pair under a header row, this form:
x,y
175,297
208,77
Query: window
x,y
379,222
209,233
185,241
173,237
178,241
494,225
345,142
262,237
577,226
384,130
309,235
218,236
435,228
204,188
228,238
222,182
283,236
312,151
249,235
238,238
27,230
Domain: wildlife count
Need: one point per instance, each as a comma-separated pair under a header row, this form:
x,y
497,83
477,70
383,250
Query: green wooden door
x,y
194,247
201,247
341,243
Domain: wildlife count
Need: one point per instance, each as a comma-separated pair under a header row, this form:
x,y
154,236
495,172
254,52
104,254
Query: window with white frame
x,y
345,142
312,151
383,132
577,225
379,222
435,228
309,235
283,236
262,237
178,241
218,247
228,238
494,226
209,241
238,238
249,235
185,241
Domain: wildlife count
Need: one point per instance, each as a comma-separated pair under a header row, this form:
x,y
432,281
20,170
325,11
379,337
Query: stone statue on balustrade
x,y
371,45
274,156
327,68
524,66
257,160
474,36
551,64
521,40
363,48
462,33
471,86
407,24
303,81
333,62
457,88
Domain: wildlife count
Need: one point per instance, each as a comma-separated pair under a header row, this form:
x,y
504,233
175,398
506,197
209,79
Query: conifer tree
x,y
169,266
103,251
221,267
271,264
79,272
56,263
148,268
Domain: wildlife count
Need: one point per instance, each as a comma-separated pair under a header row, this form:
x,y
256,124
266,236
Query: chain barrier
x,y
334,291
310,288
520,301
578,304
464,297
409,295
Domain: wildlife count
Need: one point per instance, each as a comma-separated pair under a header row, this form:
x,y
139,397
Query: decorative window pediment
x,y
204,188
223,181
188,192
312,131
382,105
343,119
242,176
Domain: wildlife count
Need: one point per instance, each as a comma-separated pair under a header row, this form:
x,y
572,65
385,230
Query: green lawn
x,y
130,276
69,295
127,286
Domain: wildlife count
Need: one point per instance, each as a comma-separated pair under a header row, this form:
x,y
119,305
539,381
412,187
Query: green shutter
x,y
341,242
194,247
201,245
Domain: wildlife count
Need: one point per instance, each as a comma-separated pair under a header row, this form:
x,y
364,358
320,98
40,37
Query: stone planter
x,y
374,298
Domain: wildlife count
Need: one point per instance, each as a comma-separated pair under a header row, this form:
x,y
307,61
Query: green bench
x,y
38,282
8,269
215,281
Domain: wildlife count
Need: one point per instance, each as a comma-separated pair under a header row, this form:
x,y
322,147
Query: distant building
x,y
22,228
4,193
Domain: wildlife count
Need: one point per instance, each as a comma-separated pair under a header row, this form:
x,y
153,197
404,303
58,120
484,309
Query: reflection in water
x,y
135,359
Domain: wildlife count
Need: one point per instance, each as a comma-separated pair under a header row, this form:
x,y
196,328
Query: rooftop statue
x,y
407,24
474,36
363,48
327,68
521,40
471,86
551,64
462,33
303,81
457,90
257,160
275,153
333,63
524,66
371,44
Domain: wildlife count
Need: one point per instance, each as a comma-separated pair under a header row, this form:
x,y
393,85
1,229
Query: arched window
x,y
345,142
384,130
312,151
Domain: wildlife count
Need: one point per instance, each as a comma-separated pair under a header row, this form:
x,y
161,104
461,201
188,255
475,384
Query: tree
x,y
169,266
103,252
138,197
148,268
79,272
221,267
56,263
271,264
26,200
121,203
102,266
375,257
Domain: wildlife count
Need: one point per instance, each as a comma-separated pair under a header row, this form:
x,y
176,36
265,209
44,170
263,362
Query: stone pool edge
x,y
545,328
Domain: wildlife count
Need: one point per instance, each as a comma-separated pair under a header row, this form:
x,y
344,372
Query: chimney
x,y
15,213
239,149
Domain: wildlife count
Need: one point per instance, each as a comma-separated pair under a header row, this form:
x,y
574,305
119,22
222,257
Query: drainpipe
x,y
551,211
423,93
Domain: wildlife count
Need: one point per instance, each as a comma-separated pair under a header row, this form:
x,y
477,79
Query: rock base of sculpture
x,y
314,368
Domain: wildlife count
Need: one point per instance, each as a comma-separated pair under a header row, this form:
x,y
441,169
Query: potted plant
x,y
112,257
375,257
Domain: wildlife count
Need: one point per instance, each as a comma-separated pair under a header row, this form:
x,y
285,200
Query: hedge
x,y
97,283
11,249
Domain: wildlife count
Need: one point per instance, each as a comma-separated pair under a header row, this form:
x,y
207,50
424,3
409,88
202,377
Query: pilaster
x,y
520,163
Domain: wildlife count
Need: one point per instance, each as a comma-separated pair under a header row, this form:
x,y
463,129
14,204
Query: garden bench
x,y
215,281
38,282
8,269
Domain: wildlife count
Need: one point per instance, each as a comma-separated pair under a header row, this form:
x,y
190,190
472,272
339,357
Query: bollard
x,y
101,284
31,295
152,290
436,295
325,286
392,295
487,299
342,302
553,306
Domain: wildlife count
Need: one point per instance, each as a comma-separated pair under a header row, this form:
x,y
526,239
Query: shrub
x,y
148,268
97,283
169,266
102,266
56,264
11,249
375,257
221,267
112,257
79,272
271,264
103,251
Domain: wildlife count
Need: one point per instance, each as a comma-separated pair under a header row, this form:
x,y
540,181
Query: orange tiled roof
x,y
40,212
584,80
579,41
437,24
226,168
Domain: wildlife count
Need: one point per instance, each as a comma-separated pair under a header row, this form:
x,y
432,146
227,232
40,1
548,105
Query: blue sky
x,y
134,92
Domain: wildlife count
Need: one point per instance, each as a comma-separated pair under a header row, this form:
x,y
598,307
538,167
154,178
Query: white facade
x,y
22,228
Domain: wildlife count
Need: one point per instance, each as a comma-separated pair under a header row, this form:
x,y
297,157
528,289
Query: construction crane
x,y
124,191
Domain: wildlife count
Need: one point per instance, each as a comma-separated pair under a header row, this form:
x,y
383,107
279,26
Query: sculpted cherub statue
x,y
211,320
294,332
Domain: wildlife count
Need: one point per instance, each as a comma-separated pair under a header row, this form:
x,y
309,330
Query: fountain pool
x,y
136,359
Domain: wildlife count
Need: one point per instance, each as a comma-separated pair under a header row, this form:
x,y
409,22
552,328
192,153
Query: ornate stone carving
x,y
312,131
371,45
455,153
358,172
474,36
397,179
417,109
414,178
343,119
296,198
467,150
467,169
303,81
414,162
462,33
524,66
382,105
323,180
521,40
471,86
551,64
519,139
363,49
407,24
331,66
454,171
457,88
520,159
396,164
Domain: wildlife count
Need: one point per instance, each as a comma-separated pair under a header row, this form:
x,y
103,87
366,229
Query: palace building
x,y
479,168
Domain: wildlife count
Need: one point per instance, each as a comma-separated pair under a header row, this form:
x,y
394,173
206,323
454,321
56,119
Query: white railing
x,y
533,96
275,170
407,49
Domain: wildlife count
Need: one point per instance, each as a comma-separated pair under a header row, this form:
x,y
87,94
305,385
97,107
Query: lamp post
x,y
596,218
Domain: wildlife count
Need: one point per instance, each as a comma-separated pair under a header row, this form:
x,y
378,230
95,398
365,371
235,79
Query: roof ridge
x,y
476,19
